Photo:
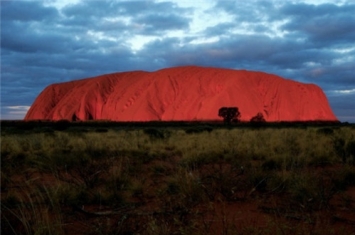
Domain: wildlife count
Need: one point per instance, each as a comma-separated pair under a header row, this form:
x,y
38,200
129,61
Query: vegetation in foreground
x,y
178,180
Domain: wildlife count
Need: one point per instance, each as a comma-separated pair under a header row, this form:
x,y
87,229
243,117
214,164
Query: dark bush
x,y
192,130
345,178
61,125
325,131
101,130
157,133
270,165
339,147
350,151
229,114
258,118
172,188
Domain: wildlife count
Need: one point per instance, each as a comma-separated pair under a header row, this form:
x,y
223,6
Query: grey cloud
x,y
136,8
101,58
305,11
26,11
321,24
343,106
329,23
249,11
299,57
22,38
220,29
333,76
123,19
99,9
88,12
154,23
236,50
42,46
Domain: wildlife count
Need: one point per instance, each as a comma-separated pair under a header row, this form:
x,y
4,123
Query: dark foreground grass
x,y
178,180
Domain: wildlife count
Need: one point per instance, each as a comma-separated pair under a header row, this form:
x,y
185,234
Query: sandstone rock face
x,y
181,94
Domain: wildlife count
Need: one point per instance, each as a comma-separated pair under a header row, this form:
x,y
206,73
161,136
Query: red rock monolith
x,y
181,94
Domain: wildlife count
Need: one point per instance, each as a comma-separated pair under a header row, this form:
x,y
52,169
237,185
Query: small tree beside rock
x,y
258,118
229,114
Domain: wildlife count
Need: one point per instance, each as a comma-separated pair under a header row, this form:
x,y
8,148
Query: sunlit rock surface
x,y
181,94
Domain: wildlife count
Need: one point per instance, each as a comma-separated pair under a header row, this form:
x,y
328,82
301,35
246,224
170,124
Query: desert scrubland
x,y
195,179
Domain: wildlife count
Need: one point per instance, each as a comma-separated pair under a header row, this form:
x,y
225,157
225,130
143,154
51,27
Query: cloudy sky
x,y
51,41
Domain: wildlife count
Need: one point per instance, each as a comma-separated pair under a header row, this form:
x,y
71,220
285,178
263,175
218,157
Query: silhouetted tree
x,y
258,118
229,114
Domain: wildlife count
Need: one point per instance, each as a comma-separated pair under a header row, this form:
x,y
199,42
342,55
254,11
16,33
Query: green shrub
x,y
196,161
30,214
311,192
175,177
